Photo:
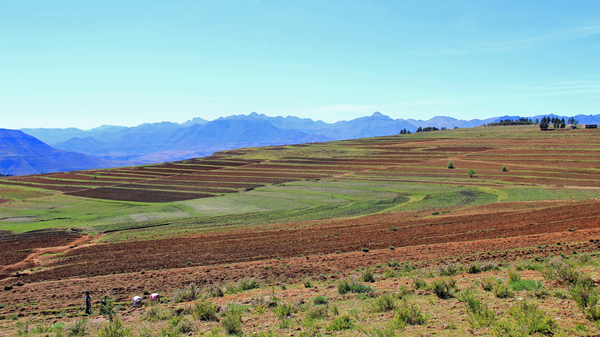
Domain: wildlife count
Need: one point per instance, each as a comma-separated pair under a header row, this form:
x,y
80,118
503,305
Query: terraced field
x,y
285,213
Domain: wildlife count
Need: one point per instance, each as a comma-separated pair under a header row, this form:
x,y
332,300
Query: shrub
x,y
76,328
346,286
232,321
307,283
383,303
107,309
444,287
318,312
368,276
502,290
419,282
181,325
320,299
284,310
248,284
214,291
205,311
503,169
187,294
115,329
364,249
409,314
471,173
157,314
479,315
392,263
449,269
513,276
344,322
450,165
528,319
488,283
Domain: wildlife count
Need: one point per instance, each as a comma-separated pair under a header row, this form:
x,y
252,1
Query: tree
x,y
562,123
544,123
471,173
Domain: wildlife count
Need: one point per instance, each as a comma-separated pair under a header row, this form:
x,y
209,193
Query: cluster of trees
x,y
404,132
5,175
520,121
428,128
555,121
571,120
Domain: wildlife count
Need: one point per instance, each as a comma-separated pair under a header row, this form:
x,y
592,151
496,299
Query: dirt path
x,y
41,254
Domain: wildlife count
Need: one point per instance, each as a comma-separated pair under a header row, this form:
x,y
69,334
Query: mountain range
x,y
110,145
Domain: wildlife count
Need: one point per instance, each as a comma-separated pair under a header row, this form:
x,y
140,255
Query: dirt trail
x,y
40,254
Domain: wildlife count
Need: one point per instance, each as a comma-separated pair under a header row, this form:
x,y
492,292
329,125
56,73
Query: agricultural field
x,y
304,221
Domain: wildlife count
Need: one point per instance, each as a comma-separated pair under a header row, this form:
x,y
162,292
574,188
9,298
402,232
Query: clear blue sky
x,y
87,63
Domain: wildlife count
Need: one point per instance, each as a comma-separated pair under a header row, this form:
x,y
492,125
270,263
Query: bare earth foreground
x,y
544,205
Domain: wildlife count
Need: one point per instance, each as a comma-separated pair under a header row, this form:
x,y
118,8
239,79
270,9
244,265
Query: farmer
x,y
137,300
88,303
154,297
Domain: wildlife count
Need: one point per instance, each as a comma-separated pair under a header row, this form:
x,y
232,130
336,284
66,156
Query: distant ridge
x,y
160,142
22,154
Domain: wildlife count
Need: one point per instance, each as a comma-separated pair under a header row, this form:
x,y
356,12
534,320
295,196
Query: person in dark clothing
x,y
88,303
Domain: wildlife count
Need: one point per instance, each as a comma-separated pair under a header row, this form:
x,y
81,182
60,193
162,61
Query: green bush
x,y
450,165
157,314
187,294
479,315
346,286
107,309
503,169
419,282
77,328
307,283
503,290
284,311
527,319
232,321
471,173
368,276
444,287
409,314
320,299
344,322
115,329
248,284
205,311
450,269
488,283
318,312
383,303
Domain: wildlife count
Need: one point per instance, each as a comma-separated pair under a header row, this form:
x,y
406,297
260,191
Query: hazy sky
x,y
87,63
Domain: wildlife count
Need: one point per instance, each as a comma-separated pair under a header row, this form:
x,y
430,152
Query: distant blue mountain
x,y
166,141
22,154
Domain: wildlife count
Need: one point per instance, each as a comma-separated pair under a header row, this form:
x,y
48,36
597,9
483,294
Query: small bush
x,y
205,311
471,173
444,287
346,286
419,282
409,314
383,303
513,276
320,299
450,165
479,315
503,290
392,263
528,319
157,314
449,269
307,283
488,283
187,294
248,284
115,329
344,322
214,291
368,276
284,311
503,169
364,249
232,321
317,313
77,328
181,325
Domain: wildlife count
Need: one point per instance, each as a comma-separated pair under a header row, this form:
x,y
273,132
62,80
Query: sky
x,y
89,63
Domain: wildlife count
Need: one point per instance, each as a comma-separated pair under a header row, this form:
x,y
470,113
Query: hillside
x,y
274,227
22,154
